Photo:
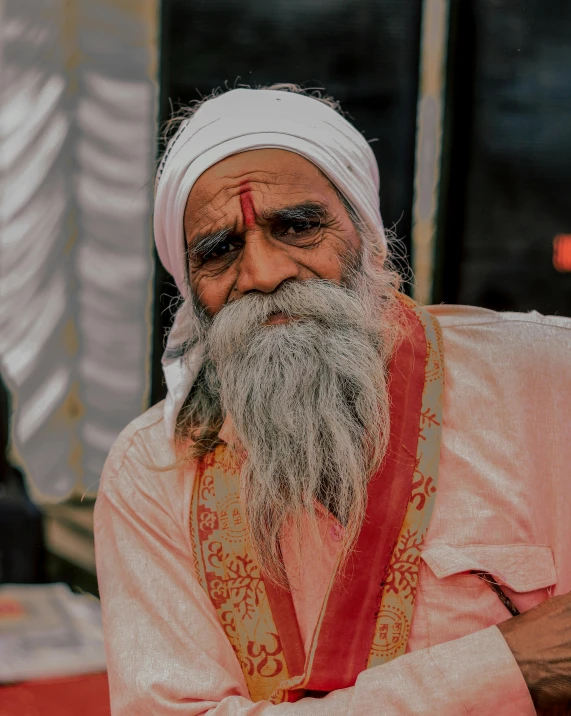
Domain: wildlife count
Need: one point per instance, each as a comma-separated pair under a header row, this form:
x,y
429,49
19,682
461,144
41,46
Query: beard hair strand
x,y
308,401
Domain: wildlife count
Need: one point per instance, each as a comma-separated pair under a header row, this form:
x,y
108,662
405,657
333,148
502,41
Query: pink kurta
x,y
503,505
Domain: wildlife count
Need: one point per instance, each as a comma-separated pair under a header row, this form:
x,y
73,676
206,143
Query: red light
x,y
562,252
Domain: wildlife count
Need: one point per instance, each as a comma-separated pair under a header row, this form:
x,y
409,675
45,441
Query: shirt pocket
x,y
456,603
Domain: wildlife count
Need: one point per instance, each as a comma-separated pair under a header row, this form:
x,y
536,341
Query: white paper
x,y
46,631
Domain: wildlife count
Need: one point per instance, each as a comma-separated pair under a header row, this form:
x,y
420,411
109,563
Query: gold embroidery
x,y
231,578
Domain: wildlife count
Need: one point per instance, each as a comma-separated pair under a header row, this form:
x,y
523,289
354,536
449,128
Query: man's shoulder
x,y
523,354
451,315
506,331
142,481
145,442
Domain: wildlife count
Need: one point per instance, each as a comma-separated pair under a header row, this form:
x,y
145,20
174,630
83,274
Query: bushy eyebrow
x,y
309,210
202,244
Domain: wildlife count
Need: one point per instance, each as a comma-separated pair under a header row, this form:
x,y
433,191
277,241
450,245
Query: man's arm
x,y
540,641
167,652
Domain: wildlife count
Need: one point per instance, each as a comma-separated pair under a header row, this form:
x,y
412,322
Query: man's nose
x,y
264,265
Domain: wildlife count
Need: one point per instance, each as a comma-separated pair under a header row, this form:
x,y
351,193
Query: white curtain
x,y
77,154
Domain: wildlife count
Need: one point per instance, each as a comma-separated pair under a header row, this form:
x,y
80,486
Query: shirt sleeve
x,y
168,655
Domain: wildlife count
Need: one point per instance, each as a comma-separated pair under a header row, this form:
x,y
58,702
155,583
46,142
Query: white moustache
x,y
327,305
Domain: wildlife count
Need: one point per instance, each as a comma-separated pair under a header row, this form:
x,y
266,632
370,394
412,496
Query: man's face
x,y
262,217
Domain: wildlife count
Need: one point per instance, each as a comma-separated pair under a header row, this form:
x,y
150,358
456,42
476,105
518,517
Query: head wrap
x,y
245,119
238,121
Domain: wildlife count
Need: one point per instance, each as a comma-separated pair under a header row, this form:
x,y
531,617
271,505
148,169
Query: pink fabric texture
x,y
503,505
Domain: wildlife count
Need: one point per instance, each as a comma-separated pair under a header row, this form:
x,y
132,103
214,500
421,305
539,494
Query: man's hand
x,y
540,640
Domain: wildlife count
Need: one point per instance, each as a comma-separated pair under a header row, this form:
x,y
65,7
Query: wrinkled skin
x,y
261,252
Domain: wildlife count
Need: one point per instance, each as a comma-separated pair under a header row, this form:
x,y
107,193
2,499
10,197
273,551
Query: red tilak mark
x,y
248,210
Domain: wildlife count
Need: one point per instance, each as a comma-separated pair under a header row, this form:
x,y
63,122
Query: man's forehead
x,y
277,179
263,168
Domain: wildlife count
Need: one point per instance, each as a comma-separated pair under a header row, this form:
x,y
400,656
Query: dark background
x,y
507,164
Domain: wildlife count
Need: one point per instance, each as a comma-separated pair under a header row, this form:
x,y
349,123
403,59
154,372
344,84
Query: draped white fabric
x,y
77,157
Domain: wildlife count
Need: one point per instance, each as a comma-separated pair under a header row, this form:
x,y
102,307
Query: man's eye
x,y
221,249
297,228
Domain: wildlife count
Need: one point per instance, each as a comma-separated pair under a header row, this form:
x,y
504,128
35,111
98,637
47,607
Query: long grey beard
x,y
309,406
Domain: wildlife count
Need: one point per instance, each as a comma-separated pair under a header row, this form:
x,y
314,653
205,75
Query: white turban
x,y
238,121
246,119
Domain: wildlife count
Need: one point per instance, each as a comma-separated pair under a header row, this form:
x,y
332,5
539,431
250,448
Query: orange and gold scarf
x,y
372,600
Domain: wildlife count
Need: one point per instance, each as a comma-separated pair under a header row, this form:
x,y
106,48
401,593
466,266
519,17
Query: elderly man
x,y
346,499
